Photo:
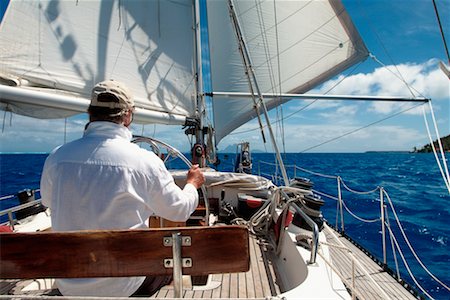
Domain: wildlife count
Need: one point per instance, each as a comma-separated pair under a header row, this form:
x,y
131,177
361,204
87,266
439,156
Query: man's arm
x,y
171,202
195,177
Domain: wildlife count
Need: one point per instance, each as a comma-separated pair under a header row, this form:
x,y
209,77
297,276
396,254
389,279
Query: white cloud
x,y
426,78
318,123
343,114
423,80
328,135
24,134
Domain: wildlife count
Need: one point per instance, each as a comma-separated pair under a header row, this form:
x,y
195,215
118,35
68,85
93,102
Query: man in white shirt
x,y
103,181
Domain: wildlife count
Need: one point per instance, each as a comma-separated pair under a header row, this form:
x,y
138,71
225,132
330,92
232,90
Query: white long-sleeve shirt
x,y
102,181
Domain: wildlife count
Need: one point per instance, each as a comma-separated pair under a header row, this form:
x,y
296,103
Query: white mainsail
x,y
294,46
65,47
55,51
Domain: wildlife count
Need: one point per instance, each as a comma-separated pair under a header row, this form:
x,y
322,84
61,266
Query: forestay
x,y
293,45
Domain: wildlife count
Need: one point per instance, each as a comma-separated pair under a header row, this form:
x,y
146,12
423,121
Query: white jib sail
x,y
294,46
67,46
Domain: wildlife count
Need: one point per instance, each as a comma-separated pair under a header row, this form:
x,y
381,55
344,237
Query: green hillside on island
x,y
427,148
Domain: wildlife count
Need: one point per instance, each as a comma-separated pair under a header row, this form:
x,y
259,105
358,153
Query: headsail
x,y
294,46
67,46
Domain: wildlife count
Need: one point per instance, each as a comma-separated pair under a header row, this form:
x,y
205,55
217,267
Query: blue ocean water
x,y
412,182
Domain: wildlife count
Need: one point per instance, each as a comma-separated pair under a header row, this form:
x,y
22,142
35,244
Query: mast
x,y
198,151
253,82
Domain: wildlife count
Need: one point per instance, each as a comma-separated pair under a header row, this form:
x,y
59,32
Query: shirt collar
x,y
107,129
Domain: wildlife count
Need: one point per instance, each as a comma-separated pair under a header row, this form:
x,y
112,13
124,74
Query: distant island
x,y
427,148
232,149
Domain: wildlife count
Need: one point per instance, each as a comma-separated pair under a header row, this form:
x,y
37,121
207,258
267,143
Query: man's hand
x,y
195,176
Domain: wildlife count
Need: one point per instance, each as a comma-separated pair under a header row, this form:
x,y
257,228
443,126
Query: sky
x,y
402,35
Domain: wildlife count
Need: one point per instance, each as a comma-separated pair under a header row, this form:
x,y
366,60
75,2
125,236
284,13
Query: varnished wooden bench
x,y
178,251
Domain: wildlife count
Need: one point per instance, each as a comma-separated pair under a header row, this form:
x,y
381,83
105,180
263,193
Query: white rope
x,y
268,163
7,197
406,264
336,246
446,178
347,209
356,217
410,246
13,196
394,254
326,195
259,222
358,192
314,173
399,76
353,257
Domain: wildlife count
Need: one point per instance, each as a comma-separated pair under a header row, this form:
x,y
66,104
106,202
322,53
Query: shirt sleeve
x,y
168,200
46,185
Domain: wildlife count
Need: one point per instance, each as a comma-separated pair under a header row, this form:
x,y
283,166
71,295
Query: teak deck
x,y
366,289
259,282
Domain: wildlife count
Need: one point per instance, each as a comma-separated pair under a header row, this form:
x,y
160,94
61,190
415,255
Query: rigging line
x,y
399,76
372,28
358,192
300,41
65,130
279,75
265,45
408,269
361,128
326,195
446,179
121,45
358,263
394,253
4,119
329,90
120,15
357,217
309,104
439,141
442,31
409,244
251,77
265,42
283,20
313,63
7,197
246,57
39,65
315,173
